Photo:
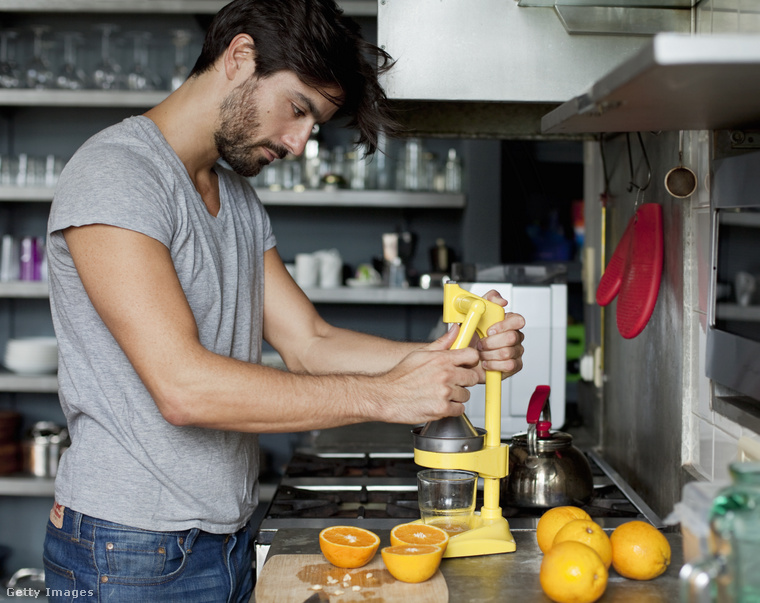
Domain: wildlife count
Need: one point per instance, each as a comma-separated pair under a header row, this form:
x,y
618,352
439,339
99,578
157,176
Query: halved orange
x,y
412,562
419,533
348,546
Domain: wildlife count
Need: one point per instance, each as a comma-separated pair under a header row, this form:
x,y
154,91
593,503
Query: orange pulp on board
x,y
639,551
572,572
419,533
589,533
412,562
551,522
348,546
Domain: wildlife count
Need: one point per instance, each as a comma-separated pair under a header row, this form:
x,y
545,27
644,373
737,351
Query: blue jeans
x,y
91,560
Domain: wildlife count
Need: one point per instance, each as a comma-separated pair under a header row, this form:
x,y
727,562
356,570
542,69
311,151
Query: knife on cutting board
x,y
318,597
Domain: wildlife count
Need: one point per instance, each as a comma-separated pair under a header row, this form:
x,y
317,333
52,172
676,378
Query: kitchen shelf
x,y
23,485
37,384
25,289
676,82
747,219
339,198
356,8
36,194
376,295
363,198
725,311
81,98
339,295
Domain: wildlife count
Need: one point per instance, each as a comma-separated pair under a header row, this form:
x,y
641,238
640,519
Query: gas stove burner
x,y
380,491
355,503
365,465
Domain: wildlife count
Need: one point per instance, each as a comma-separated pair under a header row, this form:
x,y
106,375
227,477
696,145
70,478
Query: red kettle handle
x,y
538,404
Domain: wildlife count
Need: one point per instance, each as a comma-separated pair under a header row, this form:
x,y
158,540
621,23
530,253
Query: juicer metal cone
x,y
450,434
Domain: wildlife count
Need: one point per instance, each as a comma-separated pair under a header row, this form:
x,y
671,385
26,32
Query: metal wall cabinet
x,y
675,82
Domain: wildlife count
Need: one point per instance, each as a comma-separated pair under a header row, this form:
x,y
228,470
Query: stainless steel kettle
x,y
545,469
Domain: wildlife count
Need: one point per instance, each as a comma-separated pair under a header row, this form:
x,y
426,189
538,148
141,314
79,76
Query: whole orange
x,y
551,522
572,572
589,533
639,551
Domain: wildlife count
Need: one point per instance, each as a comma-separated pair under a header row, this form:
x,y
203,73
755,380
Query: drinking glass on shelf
x,y
8,170
38,73
9,77
180,40
140,76
106,73
71,76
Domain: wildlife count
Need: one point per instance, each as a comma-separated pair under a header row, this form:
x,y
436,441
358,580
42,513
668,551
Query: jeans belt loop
x,y
191,537
76,521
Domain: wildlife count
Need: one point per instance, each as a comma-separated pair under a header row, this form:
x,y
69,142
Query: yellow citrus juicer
x,y
454,443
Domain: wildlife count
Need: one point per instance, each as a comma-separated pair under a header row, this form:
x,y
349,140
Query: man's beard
x,y
235,139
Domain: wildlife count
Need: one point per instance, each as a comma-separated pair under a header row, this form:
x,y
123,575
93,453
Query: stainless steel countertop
x,y
511,576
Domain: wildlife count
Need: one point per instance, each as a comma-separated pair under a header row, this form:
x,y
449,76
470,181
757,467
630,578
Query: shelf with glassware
x,y
28,384
354,8
337,295
296,197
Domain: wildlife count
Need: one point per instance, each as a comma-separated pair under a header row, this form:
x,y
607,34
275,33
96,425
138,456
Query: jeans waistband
x,y
82,527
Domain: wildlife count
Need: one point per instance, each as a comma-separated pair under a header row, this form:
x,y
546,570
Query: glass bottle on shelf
x,y
38,74
180,40
382,165
140,76
359,168
413,171
453,172
107,71
70,76
730,573
9,76
311,160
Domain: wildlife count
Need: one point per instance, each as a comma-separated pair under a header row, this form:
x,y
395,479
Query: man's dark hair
x,y
313,39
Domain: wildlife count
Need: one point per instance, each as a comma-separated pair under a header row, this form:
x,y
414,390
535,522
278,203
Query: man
x,y
164,280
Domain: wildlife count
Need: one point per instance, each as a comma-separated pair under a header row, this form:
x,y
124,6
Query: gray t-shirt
x,y
126,463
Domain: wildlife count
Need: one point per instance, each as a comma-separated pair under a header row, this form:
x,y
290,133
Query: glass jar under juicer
x,y
454,443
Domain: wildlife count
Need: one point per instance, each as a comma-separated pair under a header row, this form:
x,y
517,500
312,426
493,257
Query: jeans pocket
x,y
130,556
60,582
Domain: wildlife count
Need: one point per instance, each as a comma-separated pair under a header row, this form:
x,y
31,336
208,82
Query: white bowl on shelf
x,y
32,355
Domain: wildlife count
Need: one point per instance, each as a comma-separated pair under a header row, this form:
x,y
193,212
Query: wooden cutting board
x,y
289,579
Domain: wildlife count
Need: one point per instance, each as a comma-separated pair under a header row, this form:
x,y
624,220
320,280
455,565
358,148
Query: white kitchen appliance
x,y
539,294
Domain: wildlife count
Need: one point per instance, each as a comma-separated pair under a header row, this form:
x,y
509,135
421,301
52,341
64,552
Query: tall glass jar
x,y
730,573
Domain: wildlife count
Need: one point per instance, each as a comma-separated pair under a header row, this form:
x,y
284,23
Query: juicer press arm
x,y
473,312
477,314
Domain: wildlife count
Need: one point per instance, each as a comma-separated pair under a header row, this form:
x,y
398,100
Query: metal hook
x,y
631,183
639,200
604,164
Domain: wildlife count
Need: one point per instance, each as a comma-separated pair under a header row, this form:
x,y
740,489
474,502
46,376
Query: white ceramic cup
x,y
307,270
330,269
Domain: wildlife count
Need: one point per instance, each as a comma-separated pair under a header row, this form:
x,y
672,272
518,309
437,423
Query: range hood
x,y
676,82
513,69
491,67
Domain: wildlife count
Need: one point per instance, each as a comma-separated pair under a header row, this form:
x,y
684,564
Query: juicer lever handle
x,y
539,403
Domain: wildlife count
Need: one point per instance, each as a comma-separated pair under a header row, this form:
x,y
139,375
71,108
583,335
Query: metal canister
x,y
43,447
